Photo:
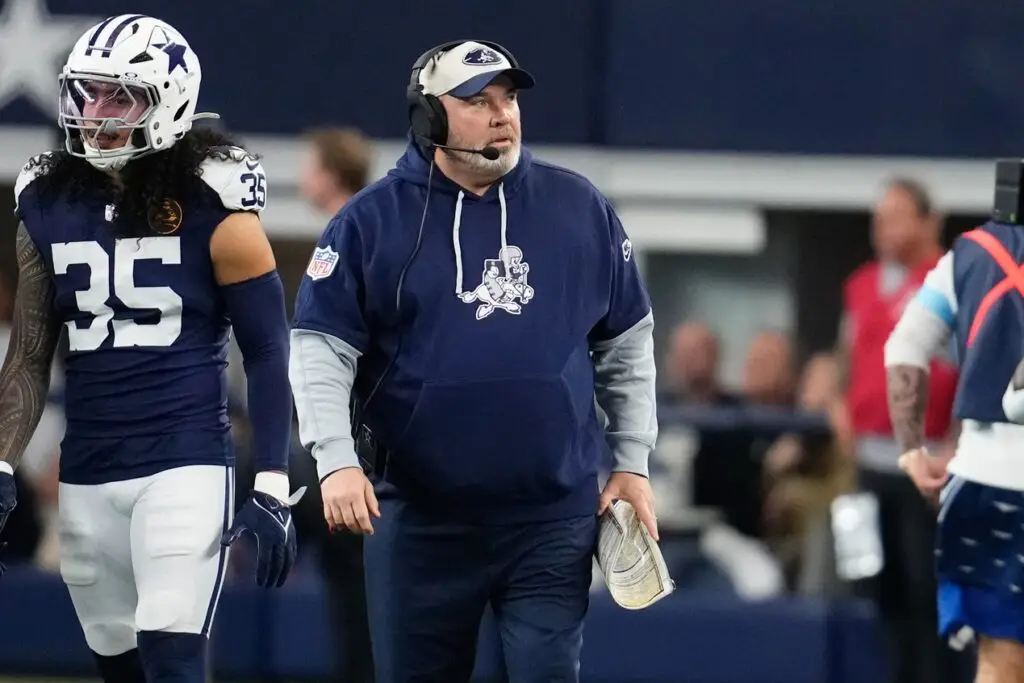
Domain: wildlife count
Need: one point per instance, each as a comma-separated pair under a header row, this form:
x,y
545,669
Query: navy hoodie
x,y
474,363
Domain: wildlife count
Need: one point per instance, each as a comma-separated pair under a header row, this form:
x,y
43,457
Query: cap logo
x,y
481,56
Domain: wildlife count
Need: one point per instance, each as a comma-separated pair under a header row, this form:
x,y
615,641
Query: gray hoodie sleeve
x,y
321,371
625,389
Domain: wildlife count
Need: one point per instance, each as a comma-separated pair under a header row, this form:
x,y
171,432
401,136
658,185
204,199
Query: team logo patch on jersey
x,y
167,218
322,264
627,249
503,284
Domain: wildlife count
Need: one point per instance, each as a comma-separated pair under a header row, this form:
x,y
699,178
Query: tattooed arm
x,y
922,332
908,396
25,376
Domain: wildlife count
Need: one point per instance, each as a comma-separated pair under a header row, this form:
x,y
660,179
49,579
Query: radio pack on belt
x,y
372,456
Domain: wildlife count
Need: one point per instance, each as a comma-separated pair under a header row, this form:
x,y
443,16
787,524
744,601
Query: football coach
x,y
466,311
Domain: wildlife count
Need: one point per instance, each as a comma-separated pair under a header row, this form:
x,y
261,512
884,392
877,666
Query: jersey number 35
x,y
94,299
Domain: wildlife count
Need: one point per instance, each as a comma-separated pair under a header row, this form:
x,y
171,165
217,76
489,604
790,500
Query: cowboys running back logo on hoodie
x,y
503,284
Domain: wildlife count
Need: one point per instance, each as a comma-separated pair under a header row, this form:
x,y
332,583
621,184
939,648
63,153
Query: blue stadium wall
x,y
941,79
284,635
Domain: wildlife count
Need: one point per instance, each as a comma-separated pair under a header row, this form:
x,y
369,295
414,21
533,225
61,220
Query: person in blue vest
x,y
976,295
475,302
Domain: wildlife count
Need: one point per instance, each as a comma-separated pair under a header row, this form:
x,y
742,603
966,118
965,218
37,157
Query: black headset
x,y
426,113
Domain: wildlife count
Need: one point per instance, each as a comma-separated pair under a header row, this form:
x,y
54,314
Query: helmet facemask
x,y
105,118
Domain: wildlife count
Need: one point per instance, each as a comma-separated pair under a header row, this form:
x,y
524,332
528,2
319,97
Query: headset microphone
x,y
489,153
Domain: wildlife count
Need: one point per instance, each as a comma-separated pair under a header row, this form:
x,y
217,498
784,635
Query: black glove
x,y
270,522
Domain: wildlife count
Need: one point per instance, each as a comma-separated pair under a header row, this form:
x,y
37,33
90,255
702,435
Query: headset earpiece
x,y
427,116
428,119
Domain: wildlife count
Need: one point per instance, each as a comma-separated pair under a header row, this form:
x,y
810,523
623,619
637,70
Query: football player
x,y
142,238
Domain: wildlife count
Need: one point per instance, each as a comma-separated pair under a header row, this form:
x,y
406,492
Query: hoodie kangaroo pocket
x,y
506,439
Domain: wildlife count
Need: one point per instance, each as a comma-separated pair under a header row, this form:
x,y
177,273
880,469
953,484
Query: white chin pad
x,y
108,159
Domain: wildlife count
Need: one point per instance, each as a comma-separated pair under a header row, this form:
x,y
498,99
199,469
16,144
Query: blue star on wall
x,y
175,55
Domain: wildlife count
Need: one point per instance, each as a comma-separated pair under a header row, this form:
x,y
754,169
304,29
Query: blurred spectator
x,y
816,393
805,473
704,551
691,366
728,470
906,239
768,374
716,470
336,166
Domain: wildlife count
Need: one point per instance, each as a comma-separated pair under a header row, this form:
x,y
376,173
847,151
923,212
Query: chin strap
x,y
204,115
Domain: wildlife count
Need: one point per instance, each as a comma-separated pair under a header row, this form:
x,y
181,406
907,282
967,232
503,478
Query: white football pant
x,y
145,554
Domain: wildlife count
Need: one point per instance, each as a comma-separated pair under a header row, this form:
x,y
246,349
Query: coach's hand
x,y
8,501
636,490
349,500
269,520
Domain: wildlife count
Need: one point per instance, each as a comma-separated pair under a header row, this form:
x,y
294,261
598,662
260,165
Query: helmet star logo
x,y
175,55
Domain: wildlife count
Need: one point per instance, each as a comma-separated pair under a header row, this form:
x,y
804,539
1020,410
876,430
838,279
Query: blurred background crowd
x,y
768,162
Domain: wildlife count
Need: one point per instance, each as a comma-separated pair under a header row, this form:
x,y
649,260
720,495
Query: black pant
x,y
429,582
905,590
341,560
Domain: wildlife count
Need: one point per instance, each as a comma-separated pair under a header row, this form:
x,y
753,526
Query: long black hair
x,y
143,185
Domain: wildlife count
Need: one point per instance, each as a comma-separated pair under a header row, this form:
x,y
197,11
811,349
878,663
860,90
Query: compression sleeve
x,y
624,384
322,370
257,311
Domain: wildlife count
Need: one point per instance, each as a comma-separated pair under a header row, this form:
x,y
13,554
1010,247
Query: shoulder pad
x,y
29,172
240,182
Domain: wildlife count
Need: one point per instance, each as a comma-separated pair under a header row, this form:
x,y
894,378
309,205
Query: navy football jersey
x,y
145,386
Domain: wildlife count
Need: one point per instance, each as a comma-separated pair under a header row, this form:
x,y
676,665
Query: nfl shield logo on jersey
x,y
322,264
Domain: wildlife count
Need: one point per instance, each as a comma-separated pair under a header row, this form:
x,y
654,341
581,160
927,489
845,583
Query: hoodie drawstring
x,y
504,216
457,245
458,224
